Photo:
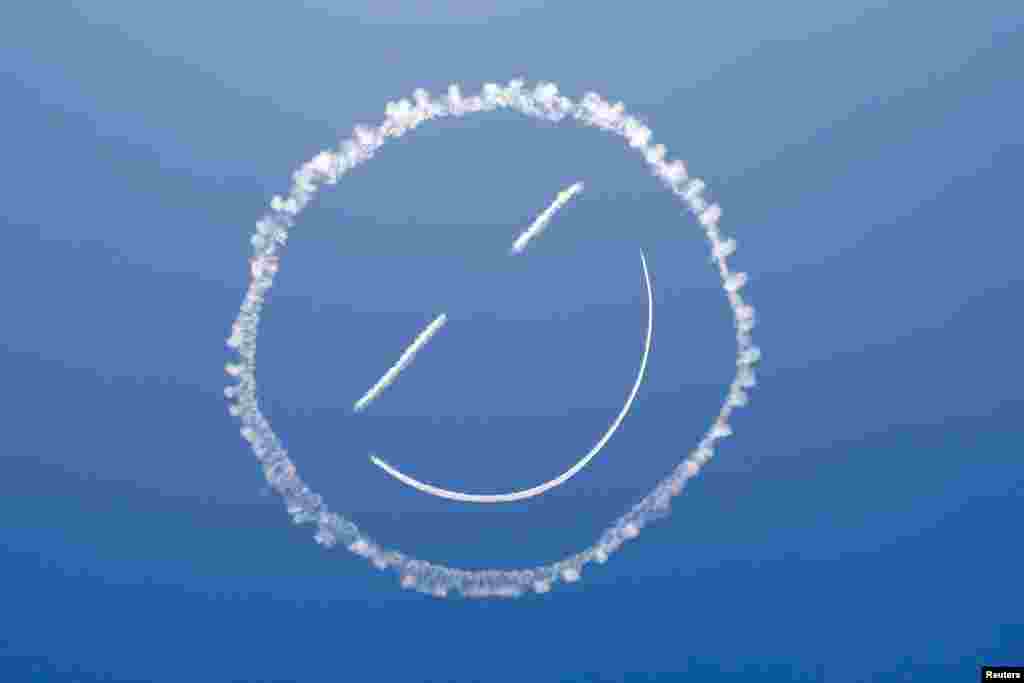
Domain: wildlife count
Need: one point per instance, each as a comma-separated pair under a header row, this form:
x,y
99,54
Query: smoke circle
x,y
272,231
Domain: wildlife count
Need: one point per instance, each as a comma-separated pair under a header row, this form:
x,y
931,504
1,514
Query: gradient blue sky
x,y
861,523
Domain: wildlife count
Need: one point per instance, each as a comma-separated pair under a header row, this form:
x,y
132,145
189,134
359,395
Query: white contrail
x,y
403,362
569,473
538,225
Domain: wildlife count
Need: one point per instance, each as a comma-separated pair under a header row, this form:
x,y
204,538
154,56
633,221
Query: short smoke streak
x,y
541,222
403,362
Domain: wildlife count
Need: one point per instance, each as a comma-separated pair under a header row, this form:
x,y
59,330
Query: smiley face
x,y
545,102
531,233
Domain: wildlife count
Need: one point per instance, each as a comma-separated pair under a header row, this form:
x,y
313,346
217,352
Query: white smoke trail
x,y
403,362
305,506
537,227
569,473
541,222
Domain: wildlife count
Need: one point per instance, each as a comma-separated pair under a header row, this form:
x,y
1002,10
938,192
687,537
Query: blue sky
x,y
860,524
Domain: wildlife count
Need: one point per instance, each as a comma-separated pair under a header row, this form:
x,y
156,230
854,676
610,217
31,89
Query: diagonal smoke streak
x,y
403,362
536,228
541,222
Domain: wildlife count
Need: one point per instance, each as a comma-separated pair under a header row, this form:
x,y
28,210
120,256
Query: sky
x,y
859,525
